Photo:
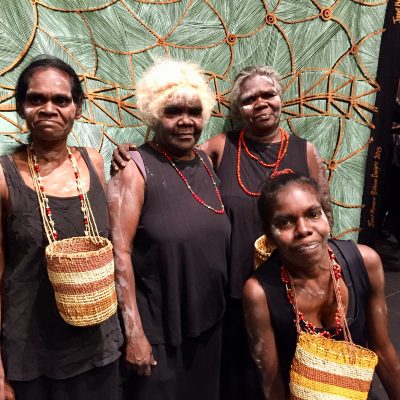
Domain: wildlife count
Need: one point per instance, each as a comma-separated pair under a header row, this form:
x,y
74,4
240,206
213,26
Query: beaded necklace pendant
x,y
283,146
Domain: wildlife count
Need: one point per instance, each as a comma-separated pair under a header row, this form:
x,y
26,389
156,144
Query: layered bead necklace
x,y
281,154
44,201
336,274
184,179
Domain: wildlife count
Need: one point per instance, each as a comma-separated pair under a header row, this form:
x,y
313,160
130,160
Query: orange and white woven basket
x,y
81,270
327,369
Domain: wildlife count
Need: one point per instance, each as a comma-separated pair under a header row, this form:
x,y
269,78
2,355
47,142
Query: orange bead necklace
x,y
281,154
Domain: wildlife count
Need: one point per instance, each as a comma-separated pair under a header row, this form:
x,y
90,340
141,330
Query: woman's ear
x,y
78,113
20,112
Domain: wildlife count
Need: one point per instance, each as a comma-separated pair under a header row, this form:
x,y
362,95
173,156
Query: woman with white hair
x,y
171,242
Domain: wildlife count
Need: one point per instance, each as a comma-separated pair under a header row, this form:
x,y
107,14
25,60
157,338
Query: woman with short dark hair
x,y
43,356
308,279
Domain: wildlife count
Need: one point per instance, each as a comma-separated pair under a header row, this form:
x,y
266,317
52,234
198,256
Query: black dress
x,y
242,208
239,379
36,341
356,279
180,256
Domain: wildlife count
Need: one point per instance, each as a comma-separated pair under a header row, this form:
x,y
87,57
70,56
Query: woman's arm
x,y
262,340
214,148
388,368
6,391
125,197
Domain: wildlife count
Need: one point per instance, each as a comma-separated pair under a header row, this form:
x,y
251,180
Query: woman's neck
x,y
184,156
308,271
263,137
54,152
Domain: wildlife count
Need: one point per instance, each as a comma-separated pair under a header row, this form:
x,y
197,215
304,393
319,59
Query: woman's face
x,y
299,226
48,108
259,105
180,126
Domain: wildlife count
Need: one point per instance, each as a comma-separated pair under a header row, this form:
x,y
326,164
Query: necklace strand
x,y
196,196
283,146
336,274
47,215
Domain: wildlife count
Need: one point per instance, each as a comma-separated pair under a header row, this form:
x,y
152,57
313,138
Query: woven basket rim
x,y
364,353
51,249
263,240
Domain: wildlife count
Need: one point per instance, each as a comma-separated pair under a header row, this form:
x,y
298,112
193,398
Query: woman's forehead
x,y
296,195
184,98
49,77
260,82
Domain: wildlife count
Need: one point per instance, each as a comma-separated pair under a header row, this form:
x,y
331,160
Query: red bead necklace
x,y
281,154
197,197
44,201
336,273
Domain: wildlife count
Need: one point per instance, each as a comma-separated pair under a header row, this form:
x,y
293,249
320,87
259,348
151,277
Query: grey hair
x,y
248,72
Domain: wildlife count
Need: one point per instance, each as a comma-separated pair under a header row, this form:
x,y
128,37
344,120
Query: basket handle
x,y
336,286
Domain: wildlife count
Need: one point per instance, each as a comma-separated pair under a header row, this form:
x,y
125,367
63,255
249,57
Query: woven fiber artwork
x,y
327,52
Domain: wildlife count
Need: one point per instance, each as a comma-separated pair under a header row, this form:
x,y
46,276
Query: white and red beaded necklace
x,y
44,201
336,273
196,196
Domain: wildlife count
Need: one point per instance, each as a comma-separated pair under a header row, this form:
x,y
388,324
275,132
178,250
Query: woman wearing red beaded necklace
x,y
171,242
43,356
308,278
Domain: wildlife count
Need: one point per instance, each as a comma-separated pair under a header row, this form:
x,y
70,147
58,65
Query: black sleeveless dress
x,y
242,208
180,251
239,377
36,341
356,279
180,254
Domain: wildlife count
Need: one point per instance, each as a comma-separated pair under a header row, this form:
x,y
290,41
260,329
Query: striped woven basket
x,y
81,270
263,248
327,369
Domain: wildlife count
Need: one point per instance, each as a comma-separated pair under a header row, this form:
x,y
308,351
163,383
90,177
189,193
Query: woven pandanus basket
x,y
263,248
81,270
328,369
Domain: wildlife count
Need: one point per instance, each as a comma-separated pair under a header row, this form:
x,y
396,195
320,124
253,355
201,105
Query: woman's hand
x,y
139,355
6,391
121,155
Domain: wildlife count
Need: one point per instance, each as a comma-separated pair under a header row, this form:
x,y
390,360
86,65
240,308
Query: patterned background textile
x,y
327,52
